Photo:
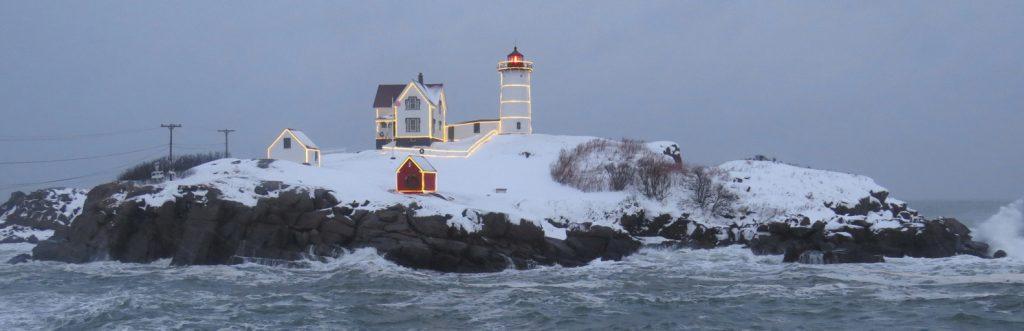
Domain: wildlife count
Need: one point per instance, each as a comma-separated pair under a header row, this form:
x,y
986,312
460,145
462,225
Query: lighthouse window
x,y
412,103
412,125
476,127
519,125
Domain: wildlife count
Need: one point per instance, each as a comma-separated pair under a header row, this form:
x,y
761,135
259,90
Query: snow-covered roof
x,y
432,91
423,163
303,138
388,93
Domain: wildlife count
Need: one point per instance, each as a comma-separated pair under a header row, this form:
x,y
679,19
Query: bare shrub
x,y
563,171
603,165
629,147
700,180
567,170
721,200
654,176
181,164
707,189
620,175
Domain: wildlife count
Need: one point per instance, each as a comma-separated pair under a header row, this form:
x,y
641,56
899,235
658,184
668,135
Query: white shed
x,y
295,146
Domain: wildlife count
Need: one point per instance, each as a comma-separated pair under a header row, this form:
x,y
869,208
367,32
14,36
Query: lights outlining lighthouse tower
x,y
515,111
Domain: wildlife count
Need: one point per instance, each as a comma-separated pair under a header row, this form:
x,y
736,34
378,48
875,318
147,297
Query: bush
x,y
620,175
707,189
608,165
654,176
143,171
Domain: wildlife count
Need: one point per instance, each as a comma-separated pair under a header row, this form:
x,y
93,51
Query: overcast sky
x,y
925,97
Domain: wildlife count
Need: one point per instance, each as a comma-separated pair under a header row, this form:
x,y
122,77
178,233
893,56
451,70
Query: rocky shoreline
x,y
198,227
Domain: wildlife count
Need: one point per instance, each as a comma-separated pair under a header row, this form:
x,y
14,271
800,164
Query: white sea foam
x,y
1005,229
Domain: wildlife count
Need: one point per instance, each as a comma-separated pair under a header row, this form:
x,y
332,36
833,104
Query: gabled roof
x,y
421,162
301,137
387,93
304,139
433,92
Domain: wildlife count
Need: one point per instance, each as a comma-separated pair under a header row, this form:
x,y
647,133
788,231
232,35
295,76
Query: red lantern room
x,y
515,56
515,61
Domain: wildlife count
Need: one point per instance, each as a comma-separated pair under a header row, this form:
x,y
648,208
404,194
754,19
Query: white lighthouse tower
x,y
515,111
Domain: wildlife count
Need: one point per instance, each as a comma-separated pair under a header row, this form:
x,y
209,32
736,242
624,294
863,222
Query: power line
x,y
101,172
21,138
82,158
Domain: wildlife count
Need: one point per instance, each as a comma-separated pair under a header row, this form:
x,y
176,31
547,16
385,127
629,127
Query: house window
x,y
412,103
316,156
476,127
383,125
287,143
412,125
519,125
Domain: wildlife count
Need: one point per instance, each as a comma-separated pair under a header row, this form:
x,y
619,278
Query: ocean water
x,y
726,289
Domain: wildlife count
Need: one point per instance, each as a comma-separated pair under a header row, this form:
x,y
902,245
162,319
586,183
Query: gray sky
x,y
925,97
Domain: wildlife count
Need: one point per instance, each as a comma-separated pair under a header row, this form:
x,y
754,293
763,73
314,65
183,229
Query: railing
x,y
514,65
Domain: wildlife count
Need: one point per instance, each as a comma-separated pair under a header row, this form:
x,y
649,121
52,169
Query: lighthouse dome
x,y
515,56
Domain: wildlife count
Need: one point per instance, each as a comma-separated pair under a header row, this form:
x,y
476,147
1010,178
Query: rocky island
x,y
525,201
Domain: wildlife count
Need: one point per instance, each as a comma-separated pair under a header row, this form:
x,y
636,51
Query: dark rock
x,y
851,256
975,248
432,226
311,220
264,163
810,257
999,254
20,258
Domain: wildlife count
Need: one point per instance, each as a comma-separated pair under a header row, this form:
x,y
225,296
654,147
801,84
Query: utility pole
x,y
226,131
170,149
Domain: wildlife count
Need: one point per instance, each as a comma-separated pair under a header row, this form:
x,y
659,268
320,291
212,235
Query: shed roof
x,y
302,137
422,163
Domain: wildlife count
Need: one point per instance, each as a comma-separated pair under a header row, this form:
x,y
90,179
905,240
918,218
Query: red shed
x,y
416,175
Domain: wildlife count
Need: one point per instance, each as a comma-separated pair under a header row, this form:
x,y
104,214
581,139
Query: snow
x,y
24,232
520,165
423,163
795,190
304,139
432,92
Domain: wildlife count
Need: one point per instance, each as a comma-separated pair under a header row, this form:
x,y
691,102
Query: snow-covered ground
x,y
521,165
46,208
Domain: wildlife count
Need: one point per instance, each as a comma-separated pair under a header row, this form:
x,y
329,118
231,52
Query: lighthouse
x,y
515,110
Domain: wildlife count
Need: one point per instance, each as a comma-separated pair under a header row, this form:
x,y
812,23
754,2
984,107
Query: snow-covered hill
x,y
521,165
39,213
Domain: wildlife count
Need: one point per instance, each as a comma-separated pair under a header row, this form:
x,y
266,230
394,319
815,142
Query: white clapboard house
x,y
294,145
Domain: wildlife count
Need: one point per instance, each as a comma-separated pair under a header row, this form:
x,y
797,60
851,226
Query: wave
x,y
1005,229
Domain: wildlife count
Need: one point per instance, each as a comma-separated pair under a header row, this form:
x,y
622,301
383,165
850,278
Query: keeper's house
x,y
295,146
411,114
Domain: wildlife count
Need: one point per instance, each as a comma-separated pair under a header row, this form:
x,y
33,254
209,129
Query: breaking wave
x,y
724,288
1005,229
